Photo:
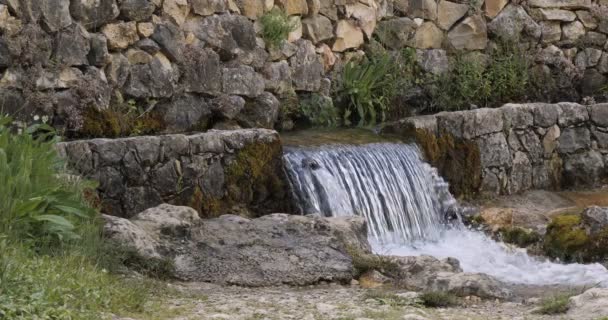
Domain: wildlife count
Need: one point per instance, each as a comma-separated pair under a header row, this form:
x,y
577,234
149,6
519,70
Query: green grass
x,y
276,27
387,298
554,305
363,262
438,299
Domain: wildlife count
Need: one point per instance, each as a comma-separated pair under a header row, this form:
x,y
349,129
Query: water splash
x,y
408,207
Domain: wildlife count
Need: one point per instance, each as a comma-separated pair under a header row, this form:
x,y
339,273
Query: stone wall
x,y
516,147
217,172
200,64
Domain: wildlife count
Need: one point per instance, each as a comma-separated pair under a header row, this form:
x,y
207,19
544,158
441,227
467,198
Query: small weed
x,y
363,262
276,27
554,305
437,299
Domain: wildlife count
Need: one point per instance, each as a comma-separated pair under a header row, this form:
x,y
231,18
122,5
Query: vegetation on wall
x,y
276,27
123,119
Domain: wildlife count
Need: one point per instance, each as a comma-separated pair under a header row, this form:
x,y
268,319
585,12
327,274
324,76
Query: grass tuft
x,y
276,27
554,305
438,299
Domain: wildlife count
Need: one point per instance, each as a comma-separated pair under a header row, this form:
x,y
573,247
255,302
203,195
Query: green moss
x,y
110,123
519,236
208,206
565,238
458,160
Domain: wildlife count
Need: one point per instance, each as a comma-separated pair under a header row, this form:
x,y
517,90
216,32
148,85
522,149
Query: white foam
x,y
478,253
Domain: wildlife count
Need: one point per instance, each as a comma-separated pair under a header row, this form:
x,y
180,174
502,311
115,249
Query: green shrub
x,y
438,299
319,110
38,203
554,305
276,27
363,90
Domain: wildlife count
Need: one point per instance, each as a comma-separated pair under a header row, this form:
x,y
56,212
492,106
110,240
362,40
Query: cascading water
x,y
410,211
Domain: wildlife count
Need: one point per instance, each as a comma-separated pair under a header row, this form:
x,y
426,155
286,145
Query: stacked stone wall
x,y
201,64
519,146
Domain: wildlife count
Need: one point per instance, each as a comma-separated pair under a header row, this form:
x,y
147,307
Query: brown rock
x,y
450,12
291,7
428,36
348,35
493,7
470,34
177,10
120,35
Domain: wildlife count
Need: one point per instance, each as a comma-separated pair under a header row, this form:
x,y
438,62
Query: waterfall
x,y
402,198
410,211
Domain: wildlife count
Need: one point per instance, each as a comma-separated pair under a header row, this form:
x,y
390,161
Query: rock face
x,y
217,172
518,146
272,250
589,305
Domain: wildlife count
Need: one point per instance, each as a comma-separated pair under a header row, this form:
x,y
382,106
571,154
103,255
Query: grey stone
x,y
545,114
595,218
94,14
396,33
137,199
572,114
589,304
111,181
228,33
124,231
164,178
425,9
98,53
592,82
242,80
171,40
517,116
185,112
202,72
599,114
521,174
117,70
148,45
582,169
532,145
304,250
574,139
278,77
550,140
6,59
136,10
209,7
601,137
470,34
434,61
32,46
263,112
307,69
594,39
512,21
152,80
317,28
55,14
227,107
494,151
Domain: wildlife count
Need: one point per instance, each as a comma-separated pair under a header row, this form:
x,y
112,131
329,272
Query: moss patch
x,y
365,262
110,123
565,238
458,160
519,236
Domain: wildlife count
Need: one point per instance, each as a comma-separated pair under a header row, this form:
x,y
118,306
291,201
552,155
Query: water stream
x,y
410,211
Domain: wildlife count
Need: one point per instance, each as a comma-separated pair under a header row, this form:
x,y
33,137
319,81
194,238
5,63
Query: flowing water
x,y
410,211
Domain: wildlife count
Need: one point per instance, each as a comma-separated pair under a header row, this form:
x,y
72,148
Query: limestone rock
x,y
306,69
512,21
551,31
317,28
185,112
120,35
545,115
124,231
98,55
227,107
599,114
573,31
304,250
572,114
557,14
595,218
252,9
153,80
493,7
425,9
348,36
177,10
494,151
136,10
263,112
278,76
170,39
434,61
470,34
72,46
587,19
449,13
364,15
295,34
592,82
56,14
574,139
428,36
117,70
293,7
209,7
589,305
567,4
585,168
229,33
202,72
242,80
396,33
94,14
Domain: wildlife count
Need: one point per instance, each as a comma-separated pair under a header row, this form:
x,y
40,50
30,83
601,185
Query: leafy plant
x,y
319,110
276,27
363,89
36,203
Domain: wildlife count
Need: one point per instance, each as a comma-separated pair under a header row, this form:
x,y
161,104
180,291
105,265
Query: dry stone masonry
x,y
217,172
202,64
516,147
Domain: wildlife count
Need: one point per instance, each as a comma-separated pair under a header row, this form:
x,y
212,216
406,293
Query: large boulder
x,y
590,305
271,250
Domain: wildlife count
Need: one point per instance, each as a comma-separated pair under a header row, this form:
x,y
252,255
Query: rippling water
x,y
410,211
